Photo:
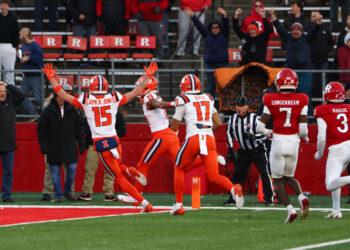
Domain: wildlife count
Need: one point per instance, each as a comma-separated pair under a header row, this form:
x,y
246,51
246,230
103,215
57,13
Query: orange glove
x,y
49,72
151,69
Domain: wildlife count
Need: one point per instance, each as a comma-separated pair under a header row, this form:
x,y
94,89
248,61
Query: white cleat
x,y
221,160
128,199
238,195
134,173
292,215
335,214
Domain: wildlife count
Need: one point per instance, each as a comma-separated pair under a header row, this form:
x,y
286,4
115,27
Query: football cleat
x,y
134,173
177,210
304,208
335,214
128,200
238,195
147,209
292,215
221,160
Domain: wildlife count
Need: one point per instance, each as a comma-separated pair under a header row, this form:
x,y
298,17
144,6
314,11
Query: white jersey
x,y
157,118
101,113
197,111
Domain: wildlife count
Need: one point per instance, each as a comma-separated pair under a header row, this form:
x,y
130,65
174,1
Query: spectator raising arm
x,y
280,29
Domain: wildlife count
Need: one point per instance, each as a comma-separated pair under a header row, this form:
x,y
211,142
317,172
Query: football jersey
x,y
198,111
285,110
101,113
157,118
337,118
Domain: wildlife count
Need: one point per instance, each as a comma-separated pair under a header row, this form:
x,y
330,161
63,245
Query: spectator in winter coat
x,y
321,45
184,23
298,51
31,58
114,15
216,44
255,17
150,20
344,60
296,16
60,133
253,42
340,40
8,102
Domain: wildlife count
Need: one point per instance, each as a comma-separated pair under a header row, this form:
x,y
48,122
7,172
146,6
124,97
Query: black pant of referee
x,y
242,164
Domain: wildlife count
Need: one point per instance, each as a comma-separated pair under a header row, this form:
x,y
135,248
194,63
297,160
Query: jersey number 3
x,y
344,122
101,113
198,106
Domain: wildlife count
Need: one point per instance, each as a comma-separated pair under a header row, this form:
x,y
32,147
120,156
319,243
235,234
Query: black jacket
x,y
321,45
86,7
253,48
9,30
14,97
113,10
58,137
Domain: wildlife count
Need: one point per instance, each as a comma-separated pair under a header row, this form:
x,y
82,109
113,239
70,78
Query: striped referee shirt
x,y
242,129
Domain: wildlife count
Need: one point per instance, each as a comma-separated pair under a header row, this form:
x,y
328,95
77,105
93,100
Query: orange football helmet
x,y
190,84
151,87
98,85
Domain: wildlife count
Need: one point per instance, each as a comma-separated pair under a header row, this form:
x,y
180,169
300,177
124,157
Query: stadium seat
x,y
234,55
65,79
37,39
119,42
51,42
75,43
144,42
99,43
84,81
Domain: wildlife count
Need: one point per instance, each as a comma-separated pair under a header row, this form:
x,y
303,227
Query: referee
x,y
242,128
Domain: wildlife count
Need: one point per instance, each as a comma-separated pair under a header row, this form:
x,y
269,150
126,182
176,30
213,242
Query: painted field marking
x,y
324,244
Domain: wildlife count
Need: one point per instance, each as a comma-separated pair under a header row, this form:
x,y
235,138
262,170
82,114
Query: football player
x,y
100,108
288,111
202,120
333,121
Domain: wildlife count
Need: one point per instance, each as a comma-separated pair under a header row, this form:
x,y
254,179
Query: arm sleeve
x,y
281,30
226,26
38,56
321,137
303,131
267,28
123,101
179,112
237,29
42,133
201,28
77,104
304,110
18,94
229,133
313,32
120,125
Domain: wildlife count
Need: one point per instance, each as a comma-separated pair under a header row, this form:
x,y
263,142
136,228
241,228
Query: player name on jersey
x,y
285,102
105,101
344,110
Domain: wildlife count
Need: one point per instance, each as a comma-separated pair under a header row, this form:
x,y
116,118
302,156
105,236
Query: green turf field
x,y
206,228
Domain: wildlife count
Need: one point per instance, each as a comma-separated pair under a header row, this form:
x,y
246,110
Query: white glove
x,y
306,139
318,156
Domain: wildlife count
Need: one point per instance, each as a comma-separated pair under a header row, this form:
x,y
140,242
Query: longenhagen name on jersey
x,y
241,129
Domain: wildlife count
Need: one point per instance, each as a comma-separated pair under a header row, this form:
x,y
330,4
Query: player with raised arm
x,y
333,121
202,120
100,108
288,111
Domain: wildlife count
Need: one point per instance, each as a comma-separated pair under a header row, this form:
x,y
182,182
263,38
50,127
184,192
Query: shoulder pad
x,y
181,100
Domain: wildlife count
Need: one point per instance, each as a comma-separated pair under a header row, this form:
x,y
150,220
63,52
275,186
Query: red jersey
x,y
285,110
337,118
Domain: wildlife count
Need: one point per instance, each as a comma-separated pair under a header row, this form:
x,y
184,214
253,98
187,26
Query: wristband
x,y
171,104
57,88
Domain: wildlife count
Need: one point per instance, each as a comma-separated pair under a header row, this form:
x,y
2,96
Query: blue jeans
x,y
32,83
56,178
211,87
344,4
304,86
40,10
7,159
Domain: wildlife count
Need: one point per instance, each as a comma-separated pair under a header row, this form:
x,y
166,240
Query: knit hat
x,y
297,26
254,26
67,87
346,39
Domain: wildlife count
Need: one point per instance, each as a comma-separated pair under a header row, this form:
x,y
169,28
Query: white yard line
x,y
324,244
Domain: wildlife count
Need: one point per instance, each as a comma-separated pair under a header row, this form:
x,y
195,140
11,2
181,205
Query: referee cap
x,y
241,101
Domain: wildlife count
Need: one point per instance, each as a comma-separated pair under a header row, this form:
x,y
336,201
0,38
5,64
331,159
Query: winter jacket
x,y
36,57
194,5
112,10
290,20
298,50
146,8
344,63
216,46
321,45
253,48
86,7
59,138
14,97
9,30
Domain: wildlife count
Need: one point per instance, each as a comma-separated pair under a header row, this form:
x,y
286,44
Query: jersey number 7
x,y
198,106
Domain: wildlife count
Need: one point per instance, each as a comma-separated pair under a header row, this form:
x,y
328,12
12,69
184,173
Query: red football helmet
x,y
151,87
286,79
334,92
190,84
98,85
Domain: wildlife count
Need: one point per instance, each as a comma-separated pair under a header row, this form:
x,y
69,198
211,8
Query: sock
x,y
301,197
336,199
289,207
178,204
144,203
